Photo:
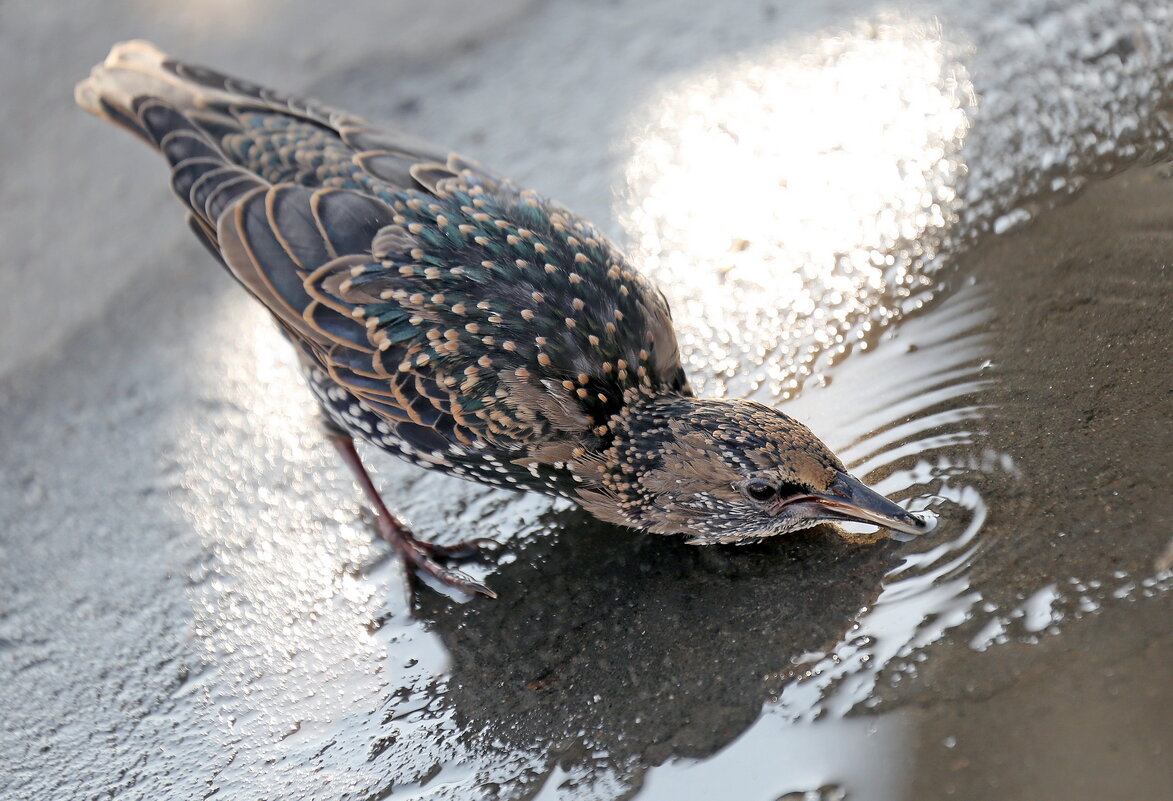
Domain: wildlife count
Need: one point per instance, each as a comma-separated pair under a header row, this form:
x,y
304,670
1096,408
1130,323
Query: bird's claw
x,y
422,560
425,556
463,581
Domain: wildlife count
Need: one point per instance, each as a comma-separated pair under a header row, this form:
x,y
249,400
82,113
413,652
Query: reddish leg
x,y
419,555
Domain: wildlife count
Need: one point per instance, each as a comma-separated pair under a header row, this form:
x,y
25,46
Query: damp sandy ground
x,y
939,233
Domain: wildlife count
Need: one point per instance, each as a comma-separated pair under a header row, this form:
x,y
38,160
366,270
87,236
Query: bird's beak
x,y
848,499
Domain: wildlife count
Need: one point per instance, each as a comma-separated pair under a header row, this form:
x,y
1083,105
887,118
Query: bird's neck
x,y
618,482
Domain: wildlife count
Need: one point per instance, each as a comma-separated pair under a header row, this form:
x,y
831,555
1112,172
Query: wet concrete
x,y
862,215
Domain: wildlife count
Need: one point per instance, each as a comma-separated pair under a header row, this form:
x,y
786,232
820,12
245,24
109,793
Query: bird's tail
x,y
139,88
268,237
137,69
134,70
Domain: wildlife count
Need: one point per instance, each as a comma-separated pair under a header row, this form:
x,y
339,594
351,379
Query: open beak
x,y
848,499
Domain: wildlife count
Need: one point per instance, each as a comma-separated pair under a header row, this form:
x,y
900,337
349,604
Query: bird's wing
x,y
442,297
278,187
317,257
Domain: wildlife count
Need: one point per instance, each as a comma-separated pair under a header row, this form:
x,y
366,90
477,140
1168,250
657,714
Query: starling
x,y
446,315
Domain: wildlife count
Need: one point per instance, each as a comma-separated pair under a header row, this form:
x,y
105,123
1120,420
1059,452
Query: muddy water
x,y
868,220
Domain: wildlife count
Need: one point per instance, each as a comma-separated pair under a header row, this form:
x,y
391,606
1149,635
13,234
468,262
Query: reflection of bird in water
x,y
465,324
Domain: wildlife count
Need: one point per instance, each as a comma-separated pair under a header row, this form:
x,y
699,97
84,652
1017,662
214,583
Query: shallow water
x,y
864,218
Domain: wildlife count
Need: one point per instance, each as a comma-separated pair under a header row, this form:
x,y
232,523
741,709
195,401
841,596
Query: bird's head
x,y
726,471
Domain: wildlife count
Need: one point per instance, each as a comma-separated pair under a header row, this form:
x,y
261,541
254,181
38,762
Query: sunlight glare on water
x,y
791,201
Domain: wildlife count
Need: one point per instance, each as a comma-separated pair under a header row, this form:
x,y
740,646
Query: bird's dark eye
x,y
760,490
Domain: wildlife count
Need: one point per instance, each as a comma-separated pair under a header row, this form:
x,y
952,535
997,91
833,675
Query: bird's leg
x,y
419,554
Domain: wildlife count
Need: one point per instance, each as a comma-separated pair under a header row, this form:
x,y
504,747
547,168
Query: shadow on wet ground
x,y
600,628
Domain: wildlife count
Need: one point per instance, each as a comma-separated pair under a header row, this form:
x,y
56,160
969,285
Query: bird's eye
x,y
760,490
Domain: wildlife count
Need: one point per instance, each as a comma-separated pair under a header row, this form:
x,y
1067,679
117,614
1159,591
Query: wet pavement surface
x,y
940,236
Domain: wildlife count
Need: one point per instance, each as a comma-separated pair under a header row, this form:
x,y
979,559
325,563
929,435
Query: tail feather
x,y
137,69
133,70
137,88
137,76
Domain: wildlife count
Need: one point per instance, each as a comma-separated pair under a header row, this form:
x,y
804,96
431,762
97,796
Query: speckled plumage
x,y
452,318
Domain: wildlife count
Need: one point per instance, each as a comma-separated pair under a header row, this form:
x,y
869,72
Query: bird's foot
x,y
429,557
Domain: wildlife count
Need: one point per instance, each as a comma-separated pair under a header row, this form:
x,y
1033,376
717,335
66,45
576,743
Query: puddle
x,y
873,225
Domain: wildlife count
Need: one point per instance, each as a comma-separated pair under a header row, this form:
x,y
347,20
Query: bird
x,y
446,315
